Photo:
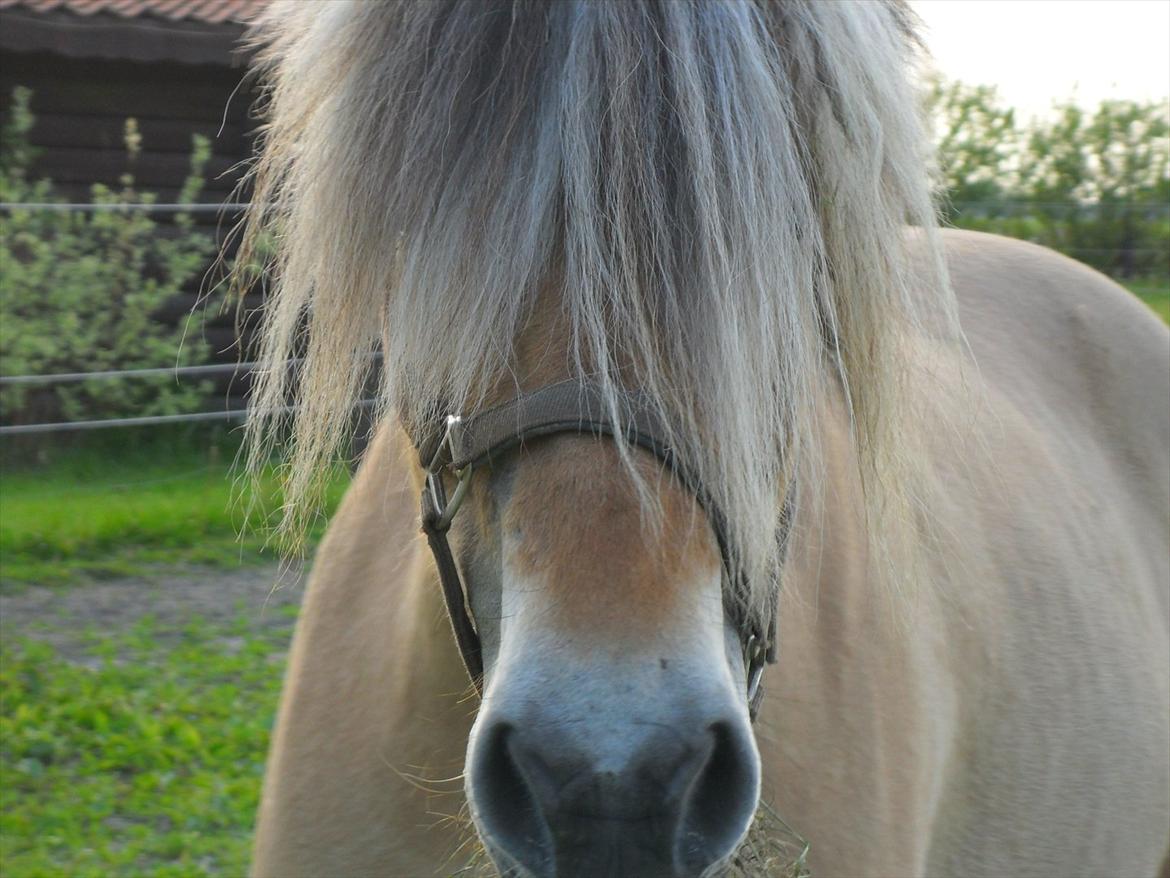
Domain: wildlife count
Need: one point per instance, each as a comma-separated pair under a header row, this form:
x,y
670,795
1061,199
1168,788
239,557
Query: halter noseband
x,y
568,407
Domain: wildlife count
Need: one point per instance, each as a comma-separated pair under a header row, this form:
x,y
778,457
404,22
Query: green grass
x,y
94,513
146,759
1155,292
51,532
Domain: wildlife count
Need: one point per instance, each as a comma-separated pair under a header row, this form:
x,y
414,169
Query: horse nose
x,y
660,804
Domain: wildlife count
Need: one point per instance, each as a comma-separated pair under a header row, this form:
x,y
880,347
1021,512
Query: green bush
x,y
79,288
1093,184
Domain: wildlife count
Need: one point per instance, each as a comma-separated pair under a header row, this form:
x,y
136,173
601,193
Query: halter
x,y
568,407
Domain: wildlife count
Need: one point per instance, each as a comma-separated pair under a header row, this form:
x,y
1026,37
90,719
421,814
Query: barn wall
x,y
81,106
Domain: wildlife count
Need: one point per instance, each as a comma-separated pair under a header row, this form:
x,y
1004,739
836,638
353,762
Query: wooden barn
x,y
175,66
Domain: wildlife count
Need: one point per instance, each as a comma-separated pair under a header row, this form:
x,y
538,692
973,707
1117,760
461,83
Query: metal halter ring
x,y
445,509
754,659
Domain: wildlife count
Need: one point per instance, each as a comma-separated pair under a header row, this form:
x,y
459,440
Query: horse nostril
x,y
659,803
720,802
506,806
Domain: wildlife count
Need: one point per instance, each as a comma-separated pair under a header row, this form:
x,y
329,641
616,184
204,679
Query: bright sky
x,y
1040,51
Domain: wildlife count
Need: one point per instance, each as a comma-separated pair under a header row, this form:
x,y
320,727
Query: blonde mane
x,y
718,190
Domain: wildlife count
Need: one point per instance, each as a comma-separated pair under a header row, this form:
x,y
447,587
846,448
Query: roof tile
x,y
206,11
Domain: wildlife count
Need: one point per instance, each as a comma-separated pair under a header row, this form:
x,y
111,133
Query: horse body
x,y
1010,717
1018,725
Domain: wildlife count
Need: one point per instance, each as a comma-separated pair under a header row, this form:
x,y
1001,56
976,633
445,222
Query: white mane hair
x,y
718,192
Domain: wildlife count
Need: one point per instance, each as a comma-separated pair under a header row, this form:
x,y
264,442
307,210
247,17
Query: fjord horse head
x,y
701,203
614,732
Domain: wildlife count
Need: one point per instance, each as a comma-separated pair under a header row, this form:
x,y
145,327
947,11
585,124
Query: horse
x,y
746,489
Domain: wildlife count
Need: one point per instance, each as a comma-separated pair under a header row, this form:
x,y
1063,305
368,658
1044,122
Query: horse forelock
x,y
715,192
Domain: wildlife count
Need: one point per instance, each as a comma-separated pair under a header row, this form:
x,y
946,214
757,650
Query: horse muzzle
x,y
561,795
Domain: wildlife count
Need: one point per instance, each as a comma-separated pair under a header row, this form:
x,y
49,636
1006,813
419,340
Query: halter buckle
x,y
444,509
755,657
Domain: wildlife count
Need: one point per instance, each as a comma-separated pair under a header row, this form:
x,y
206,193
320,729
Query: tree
x,y
1092,184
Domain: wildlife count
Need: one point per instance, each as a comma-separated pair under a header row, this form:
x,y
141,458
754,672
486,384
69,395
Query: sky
x,y
1040,51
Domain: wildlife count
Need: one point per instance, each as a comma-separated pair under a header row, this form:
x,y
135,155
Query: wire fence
x,y
144,206
150,420
145,420
175,207
1088,206
227,414
162,371
106,423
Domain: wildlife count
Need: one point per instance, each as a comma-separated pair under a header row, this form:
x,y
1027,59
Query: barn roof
x,y
190,31
208,11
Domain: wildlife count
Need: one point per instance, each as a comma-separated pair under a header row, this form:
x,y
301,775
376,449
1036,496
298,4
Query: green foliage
x,y
142,756
1092,184
80,288
976,141
97,513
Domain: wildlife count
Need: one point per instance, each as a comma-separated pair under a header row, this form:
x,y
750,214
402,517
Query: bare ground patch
x,y
68,618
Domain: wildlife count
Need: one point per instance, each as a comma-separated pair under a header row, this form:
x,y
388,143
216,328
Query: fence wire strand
x,y
148,420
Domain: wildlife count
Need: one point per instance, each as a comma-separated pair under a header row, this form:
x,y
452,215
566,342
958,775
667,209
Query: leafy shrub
x,y
1092,184
78,288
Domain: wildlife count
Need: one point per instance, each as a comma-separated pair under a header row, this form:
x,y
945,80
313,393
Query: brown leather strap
x,y
466,636
566,407
573,407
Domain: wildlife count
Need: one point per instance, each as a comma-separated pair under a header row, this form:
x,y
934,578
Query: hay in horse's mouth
x,y
771,849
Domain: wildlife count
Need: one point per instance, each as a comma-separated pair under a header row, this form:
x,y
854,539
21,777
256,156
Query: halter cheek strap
x,y
568,407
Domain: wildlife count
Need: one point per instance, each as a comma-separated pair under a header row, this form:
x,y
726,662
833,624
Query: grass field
x,y
133,746
137,754
136,749
99,512
1155,292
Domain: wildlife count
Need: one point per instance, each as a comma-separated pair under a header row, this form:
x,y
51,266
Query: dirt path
x,y
171,597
